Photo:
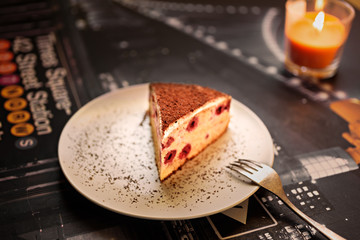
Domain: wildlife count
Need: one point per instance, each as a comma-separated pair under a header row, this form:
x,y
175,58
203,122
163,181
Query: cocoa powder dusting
x,y
176,100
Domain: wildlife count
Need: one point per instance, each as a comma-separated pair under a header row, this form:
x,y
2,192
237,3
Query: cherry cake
x,y
184,120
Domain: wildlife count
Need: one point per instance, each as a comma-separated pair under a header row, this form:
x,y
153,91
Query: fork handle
x,y
321,228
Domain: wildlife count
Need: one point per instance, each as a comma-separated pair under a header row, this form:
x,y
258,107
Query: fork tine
x,y
242,166
249,166
240,170
250,163
249,169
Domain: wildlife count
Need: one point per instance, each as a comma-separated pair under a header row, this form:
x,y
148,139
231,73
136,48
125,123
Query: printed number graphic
x,y
22,129
12,91
6,56
18,116
9,79
15,104
4,44
7,68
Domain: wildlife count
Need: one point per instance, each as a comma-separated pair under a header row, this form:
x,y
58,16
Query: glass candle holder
x,y
315,34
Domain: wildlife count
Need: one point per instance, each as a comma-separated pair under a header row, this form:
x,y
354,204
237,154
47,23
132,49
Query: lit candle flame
x,y
319,21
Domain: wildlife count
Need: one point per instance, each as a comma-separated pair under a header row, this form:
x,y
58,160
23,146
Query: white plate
x,y
106,153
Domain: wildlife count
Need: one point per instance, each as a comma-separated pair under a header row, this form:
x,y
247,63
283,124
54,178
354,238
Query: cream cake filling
x,y
185,118
189,135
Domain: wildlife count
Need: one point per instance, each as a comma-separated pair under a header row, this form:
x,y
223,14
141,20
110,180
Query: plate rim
x,y
158,217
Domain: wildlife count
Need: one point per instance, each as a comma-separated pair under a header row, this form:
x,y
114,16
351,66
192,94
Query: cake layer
x,y
199,120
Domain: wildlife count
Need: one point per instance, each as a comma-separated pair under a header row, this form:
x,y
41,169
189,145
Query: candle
x,y
315,47
315,33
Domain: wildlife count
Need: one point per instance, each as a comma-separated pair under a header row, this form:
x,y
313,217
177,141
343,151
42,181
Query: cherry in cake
x,y
184,120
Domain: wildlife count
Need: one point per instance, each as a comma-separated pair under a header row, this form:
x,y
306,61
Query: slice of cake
x,y
184,119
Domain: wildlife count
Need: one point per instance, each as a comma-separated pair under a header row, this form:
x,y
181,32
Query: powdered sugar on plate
x,y
106,153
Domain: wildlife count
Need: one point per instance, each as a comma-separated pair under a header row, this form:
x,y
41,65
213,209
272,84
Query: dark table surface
x,y
74,51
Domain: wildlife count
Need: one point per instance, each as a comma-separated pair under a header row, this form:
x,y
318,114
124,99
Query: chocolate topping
x,y
176,100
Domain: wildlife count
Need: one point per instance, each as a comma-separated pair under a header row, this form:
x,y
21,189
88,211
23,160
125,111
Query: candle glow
x,y
319,5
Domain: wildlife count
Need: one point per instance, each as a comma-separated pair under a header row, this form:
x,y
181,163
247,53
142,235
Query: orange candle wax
x,y
313,48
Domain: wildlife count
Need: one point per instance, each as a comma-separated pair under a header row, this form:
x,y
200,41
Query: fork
x,y
267,178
